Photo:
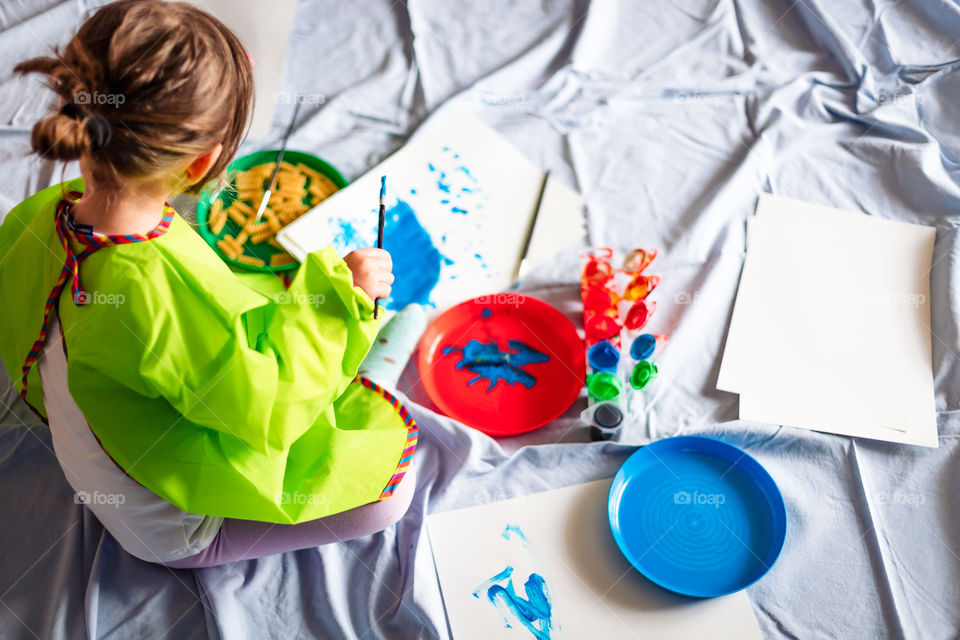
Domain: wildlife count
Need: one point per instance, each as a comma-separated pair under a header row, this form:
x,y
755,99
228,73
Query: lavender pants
x,y
249,539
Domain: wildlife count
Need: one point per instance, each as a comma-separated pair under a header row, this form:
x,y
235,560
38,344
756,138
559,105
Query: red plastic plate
x,y
503,364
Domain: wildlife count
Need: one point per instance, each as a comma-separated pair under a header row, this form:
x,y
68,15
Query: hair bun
x,y
60,137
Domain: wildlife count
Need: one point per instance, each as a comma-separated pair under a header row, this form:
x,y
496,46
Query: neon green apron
x,y
220,399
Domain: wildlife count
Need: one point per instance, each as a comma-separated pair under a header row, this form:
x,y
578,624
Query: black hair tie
x,y
100,132
97,126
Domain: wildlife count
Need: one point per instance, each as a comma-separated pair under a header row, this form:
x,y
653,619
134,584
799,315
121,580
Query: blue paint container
x,y
643,346
603,356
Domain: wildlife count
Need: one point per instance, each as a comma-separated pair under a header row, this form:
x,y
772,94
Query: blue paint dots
x,y
488,362
413,192
443,186
347,236
478,256
444,201
431,167
534,611
458,210
467,173
416,262
486,313
513,530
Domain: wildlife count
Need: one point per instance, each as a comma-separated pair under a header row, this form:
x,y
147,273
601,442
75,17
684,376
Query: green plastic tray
x,y
263,251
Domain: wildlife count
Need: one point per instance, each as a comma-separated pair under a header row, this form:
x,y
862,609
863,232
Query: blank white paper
x,y
830,329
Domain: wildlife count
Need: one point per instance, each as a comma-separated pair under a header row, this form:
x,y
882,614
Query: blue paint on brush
x,y
490,363
416,261
534,611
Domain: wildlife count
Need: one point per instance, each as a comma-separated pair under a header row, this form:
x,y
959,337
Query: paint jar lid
x,y
639,314
643,373
603,386
600,327
603,356
643,346
607,415
640,287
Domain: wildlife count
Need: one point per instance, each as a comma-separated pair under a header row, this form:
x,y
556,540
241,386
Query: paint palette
x,y
503,364
697,516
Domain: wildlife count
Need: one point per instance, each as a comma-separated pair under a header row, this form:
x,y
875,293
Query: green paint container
x,y
603,386
642,374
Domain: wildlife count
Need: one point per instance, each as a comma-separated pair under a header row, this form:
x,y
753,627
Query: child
x,y
201,421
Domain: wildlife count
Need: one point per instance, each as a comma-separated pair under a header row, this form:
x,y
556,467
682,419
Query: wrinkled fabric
x,y
670,117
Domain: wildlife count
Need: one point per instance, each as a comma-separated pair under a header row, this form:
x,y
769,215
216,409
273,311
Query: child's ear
x,y
201,164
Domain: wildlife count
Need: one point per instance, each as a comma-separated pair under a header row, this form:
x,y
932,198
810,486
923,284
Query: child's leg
x,y
248,539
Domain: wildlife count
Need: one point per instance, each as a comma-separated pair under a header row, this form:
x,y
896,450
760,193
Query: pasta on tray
x,y
299,188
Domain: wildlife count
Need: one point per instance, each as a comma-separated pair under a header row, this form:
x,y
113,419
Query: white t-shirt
x,y
144,524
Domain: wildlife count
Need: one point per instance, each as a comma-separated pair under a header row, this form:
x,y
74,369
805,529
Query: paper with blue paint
x,y
544,565
532,610
459,201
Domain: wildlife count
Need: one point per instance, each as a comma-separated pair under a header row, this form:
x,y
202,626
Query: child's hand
x,y
371,271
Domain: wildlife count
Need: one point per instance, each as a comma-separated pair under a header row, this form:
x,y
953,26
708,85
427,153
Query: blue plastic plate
x,y
697,516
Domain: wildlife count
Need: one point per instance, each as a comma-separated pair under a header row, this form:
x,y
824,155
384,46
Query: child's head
x,y
147,88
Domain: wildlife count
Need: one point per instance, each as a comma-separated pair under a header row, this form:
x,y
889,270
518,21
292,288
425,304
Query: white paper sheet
x,y
264,29
594,592
471,191
830,329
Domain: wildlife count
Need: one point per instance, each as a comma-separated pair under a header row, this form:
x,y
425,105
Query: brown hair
x,y
163,81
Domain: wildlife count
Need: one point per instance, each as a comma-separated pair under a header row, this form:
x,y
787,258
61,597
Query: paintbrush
x,y
521,265
276,167
383,213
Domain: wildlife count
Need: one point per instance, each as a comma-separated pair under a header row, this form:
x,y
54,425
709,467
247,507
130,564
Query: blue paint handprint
x,y
533,612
